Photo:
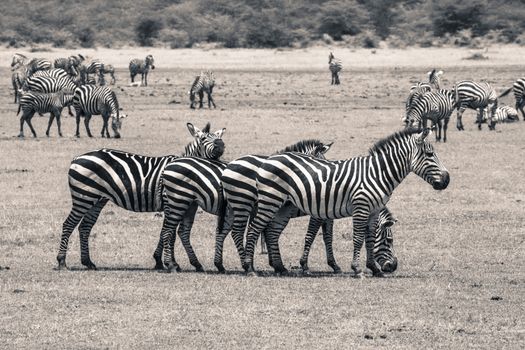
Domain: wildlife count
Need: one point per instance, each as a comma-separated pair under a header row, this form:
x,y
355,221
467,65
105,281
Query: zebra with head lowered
x,y
92,100
202,83
131,181
54,81
436,106
335,66
36,102
420,88
138,66
70,64
470,94
240,191
357,187
503,114
23,70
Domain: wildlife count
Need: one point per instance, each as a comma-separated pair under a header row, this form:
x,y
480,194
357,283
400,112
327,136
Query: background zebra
x,y
138,66
32,102
519,94
436,106
335,66
70,65
419,88
358,187
240,192
503,114
129,180
97,100
99,69
470,94
204,82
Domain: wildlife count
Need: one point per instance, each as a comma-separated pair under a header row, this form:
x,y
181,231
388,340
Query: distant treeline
x,y
259,23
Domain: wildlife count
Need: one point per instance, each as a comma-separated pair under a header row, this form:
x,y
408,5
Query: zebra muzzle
x,y
443,183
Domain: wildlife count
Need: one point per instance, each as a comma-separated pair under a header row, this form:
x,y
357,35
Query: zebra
x,y
18,79
48,84
240,192
519,94
138,66
503,114
420,88
357,187
131,181
18,60
32,102
470,94
436,106
56,73
98,68
70,65
204,82
94,100
335,66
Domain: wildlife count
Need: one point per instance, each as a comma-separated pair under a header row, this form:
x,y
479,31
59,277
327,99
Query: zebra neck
x,y
390,166
192,150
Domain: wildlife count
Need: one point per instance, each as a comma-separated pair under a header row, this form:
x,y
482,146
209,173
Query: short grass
x,y
460,283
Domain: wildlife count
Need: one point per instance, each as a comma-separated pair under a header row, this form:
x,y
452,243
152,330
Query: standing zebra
x,y
53,103
519,94
49,84
131,181
436,106
335,66
70,65
358,187
204,82
474,95
98,68
419,88
240,192
94,100
18,60
138,66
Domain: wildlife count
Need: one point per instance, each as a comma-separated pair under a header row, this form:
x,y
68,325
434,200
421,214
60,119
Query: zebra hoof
x,y
337,270
306,272
159,266
251,274
220,268
199,268
89,264
359,275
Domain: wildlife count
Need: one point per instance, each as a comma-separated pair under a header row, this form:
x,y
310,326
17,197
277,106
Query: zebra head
x,y
150,61
313,148
425,163
206,144
330,57
116,123
384,253
18,60
434,78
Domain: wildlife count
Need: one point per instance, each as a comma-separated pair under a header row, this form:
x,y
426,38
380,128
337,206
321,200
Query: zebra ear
x,y
325,147
194,131
219,133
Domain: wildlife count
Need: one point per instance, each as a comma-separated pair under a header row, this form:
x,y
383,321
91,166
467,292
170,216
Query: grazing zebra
x,y
32,102
335,66
474,95
204,82
138,66
18,79
419,89
358,187
519,94
240,192
436,106
70,65
49,84
131,181
94,100
503,114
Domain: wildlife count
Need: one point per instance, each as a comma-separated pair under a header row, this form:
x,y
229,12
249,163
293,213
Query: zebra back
x,y
335,65
50,84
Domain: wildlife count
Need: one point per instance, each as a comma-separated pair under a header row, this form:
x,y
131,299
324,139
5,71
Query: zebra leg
x,y
22,121
192,100
201,98
459,123
220,236
240,220
210,101
86,225
439,127
337,82
171,221
51,118
328,234
28,121
76,214
519,107
313,228
105,118
184,235
371,262
87,118
361,231
159,265
273,232
479,118
77,133
59,123
132,77
69,111
145,78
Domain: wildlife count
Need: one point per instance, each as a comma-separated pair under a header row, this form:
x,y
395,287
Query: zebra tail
x,y
456,93
19,108
222,214
505,93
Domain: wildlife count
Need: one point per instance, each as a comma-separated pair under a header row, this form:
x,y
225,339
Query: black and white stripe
x,y
203,83
358,187
92,100
129,180
477,96
419,88
138,66
36,102
503,114
335,66
518,88
436,106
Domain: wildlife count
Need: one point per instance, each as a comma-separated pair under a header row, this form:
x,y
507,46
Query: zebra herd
x,y
256,195
42,86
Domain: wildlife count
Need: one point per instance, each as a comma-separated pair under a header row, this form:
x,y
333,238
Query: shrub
x,y
86,37
148,29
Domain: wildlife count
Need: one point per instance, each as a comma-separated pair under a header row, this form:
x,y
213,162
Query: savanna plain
x,y
460,282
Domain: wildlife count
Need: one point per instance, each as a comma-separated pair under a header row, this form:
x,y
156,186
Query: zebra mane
x,y
301,146
380,145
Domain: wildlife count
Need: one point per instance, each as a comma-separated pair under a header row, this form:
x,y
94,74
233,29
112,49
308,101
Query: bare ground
x,y
460,283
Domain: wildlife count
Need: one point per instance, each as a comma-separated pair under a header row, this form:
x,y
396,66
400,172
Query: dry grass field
x,y
461,279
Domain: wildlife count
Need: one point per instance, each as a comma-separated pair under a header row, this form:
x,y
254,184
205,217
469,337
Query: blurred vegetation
x,y
254,23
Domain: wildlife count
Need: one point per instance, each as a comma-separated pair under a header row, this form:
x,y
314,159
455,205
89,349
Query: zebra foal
x,y
203,83
142,67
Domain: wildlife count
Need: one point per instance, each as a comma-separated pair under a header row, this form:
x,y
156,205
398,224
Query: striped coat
x,y
142,67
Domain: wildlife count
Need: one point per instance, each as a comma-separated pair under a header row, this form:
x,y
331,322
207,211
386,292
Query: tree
x,y
147,30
